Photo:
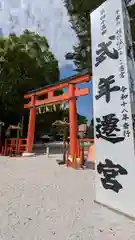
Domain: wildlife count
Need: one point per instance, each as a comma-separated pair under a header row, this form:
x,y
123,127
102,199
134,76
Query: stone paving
x,y
40,200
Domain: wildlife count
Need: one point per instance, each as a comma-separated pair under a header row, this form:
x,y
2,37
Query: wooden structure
x,y
16,128
73,92
65,125
14,147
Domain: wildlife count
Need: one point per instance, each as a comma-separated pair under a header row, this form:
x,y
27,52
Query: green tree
x,y
79,12
26,63
82,119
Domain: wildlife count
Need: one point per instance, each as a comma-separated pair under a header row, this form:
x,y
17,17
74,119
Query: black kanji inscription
x,y
124,110
123,89
124,96
125,125
126,133
105,87
110,171
117,17
122,70
107,128
125,117
103,51
123,104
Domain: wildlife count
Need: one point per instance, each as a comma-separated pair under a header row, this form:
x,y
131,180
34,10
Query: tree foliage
x,y
25,63
79,12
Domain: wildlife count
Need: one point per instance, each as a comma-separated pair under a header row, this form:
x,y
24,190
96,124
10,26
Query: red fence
x,y
14,146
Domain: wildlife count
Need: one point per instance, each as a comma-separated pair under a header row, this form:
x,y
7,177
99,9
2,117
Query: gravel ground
x,y
40,200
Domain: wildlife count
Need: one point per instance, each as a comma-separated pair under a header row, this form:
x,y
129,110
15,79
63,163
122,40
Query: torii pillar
x,y
31,128
73,122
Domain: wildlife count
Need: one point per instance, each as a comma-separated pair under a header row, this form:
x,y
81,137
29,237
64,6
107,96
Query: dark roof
x,y
60,81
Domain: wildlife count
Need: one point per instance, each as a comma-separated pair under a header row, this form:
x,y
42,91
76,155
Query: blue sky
x,y
50,19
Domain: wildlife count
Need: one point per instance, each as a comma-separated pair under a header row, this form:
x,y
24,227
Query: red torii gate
x,y
70,96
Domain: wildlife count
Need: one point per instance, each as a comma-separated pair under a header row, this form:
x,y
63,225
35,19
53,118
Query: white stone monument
x,y
115,158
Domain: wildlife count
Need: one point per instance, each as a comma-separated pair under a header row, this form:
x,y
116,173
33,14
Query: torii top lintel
x,y
50,89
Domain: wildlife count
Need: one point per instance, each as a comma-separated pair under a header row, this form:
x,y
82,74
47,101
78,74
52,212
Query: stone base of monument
x,y
115,210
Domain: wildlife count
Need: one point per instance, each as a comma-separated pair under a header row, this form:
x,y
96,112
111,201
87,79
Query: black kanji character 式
x,y
110,171
104,51
107,128
105,87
